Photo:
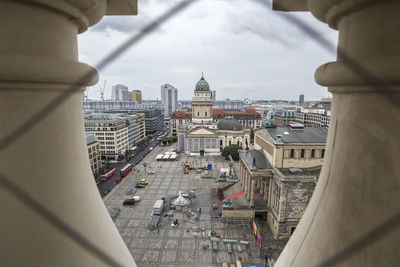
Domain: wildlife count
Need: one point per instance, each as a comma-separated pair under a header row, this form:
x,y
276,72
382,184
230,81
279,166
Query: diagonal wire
x,y
41,114
58,223
354,66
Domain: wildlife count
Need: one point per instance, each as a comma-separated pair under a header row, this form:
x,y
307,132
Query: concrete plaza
x,y
177,246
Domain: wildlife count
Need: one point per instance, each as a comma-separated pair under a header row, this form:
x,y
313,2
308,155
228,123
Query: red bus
x,y
108,174
126,169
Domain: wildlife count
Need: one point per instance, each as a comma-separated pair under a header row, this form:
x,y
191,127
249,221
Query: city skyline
x,y
266,58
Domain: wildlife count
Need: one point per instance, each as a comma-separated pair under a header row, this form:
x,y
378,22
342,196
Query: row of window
x,y
101,133
90,149
311,153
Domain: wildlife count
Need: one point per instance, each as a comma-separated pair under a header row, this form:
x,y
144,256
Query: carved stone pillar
x,y
253,187
360,181
49,161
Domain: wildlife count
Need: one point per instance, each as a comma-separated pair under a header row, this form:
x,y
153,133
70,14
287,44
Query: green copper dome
x,y
202,85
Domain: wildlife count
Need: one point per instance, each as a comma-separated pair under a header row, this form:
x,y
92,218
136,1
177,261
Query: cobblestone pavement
x,y
176,246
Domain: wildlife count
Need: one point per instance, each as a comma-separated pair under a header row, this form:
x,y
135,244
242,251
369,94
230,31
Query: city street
x,y
108,185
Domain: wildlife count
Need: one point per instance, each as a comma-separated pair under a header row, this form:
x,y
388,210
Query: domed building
x,y
204,136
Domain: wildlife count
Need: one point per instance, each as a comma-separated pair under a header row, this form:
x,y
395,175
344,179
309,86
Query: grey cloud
x,y
265,25
123,24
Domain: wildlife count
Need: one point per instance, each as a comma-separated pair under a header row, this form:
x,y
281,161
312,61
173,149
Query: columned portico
x,y
38,64
361,173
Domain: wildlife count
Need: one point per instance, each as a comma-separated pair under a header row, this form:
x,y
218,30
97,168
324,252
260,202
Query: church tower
x,y
202,102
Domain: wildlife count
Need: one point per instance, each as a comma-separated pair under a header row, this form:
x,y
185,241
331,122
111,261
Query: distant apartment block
x,y
97,105
120,93
137,96
313,117
169,99
221,104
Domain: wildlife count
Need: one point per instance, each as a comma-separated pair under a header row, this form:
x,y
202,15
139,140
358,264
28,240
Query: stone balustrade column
x,y
359,184
253,187
265,197
49,161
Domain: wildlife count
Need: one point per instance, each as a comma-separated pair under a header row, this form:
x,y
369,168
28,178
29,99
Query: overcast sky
x,y
244,49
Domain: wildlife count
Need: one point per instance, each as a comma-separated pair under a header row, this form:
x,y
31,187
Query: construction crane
x,y
102,90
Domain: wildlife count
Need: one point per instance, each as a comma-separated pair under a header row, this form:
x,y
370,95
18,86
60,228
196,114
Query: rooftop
x,y
256,160
229,124
90,138
298,135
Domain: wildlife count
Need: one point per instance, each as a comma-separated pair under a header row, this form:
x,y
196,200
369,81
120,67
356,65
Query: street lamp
x,y
144,165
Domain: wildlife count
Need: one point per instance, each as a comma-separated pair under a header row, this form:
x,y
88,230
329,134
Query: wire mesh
x,y
374,235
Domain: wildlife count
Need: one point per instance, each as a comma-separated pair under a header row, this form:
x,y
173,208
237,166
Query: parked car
x,y
152,172
118,180
129,202
144,181
139,185
136,198
128,158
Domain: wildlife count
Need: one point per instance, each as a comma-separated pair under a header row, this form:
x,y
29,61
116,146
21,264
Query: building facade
x,y
93,147
154,119
97,105
169,99
249,118
112,133
284,169
217,104
140,120
137,96
313,117
199,132
284,117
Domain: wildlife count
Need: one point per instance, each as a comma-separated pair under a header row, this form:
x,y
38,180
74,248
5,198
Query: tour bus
x,y
108,174
126,169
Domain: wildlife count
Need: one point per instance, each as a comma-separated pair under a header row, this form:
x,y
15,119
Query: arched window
x,y
230,142
220,142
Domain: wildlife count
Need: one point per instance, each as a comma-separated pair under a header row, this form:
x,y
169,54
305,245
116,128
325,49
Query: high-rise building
x,y
301,99
120,93
213,95
169,99
137,96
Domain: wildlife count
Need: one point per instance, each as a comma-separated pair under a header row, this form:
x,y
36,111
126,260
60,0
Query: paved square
x,y
177,246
